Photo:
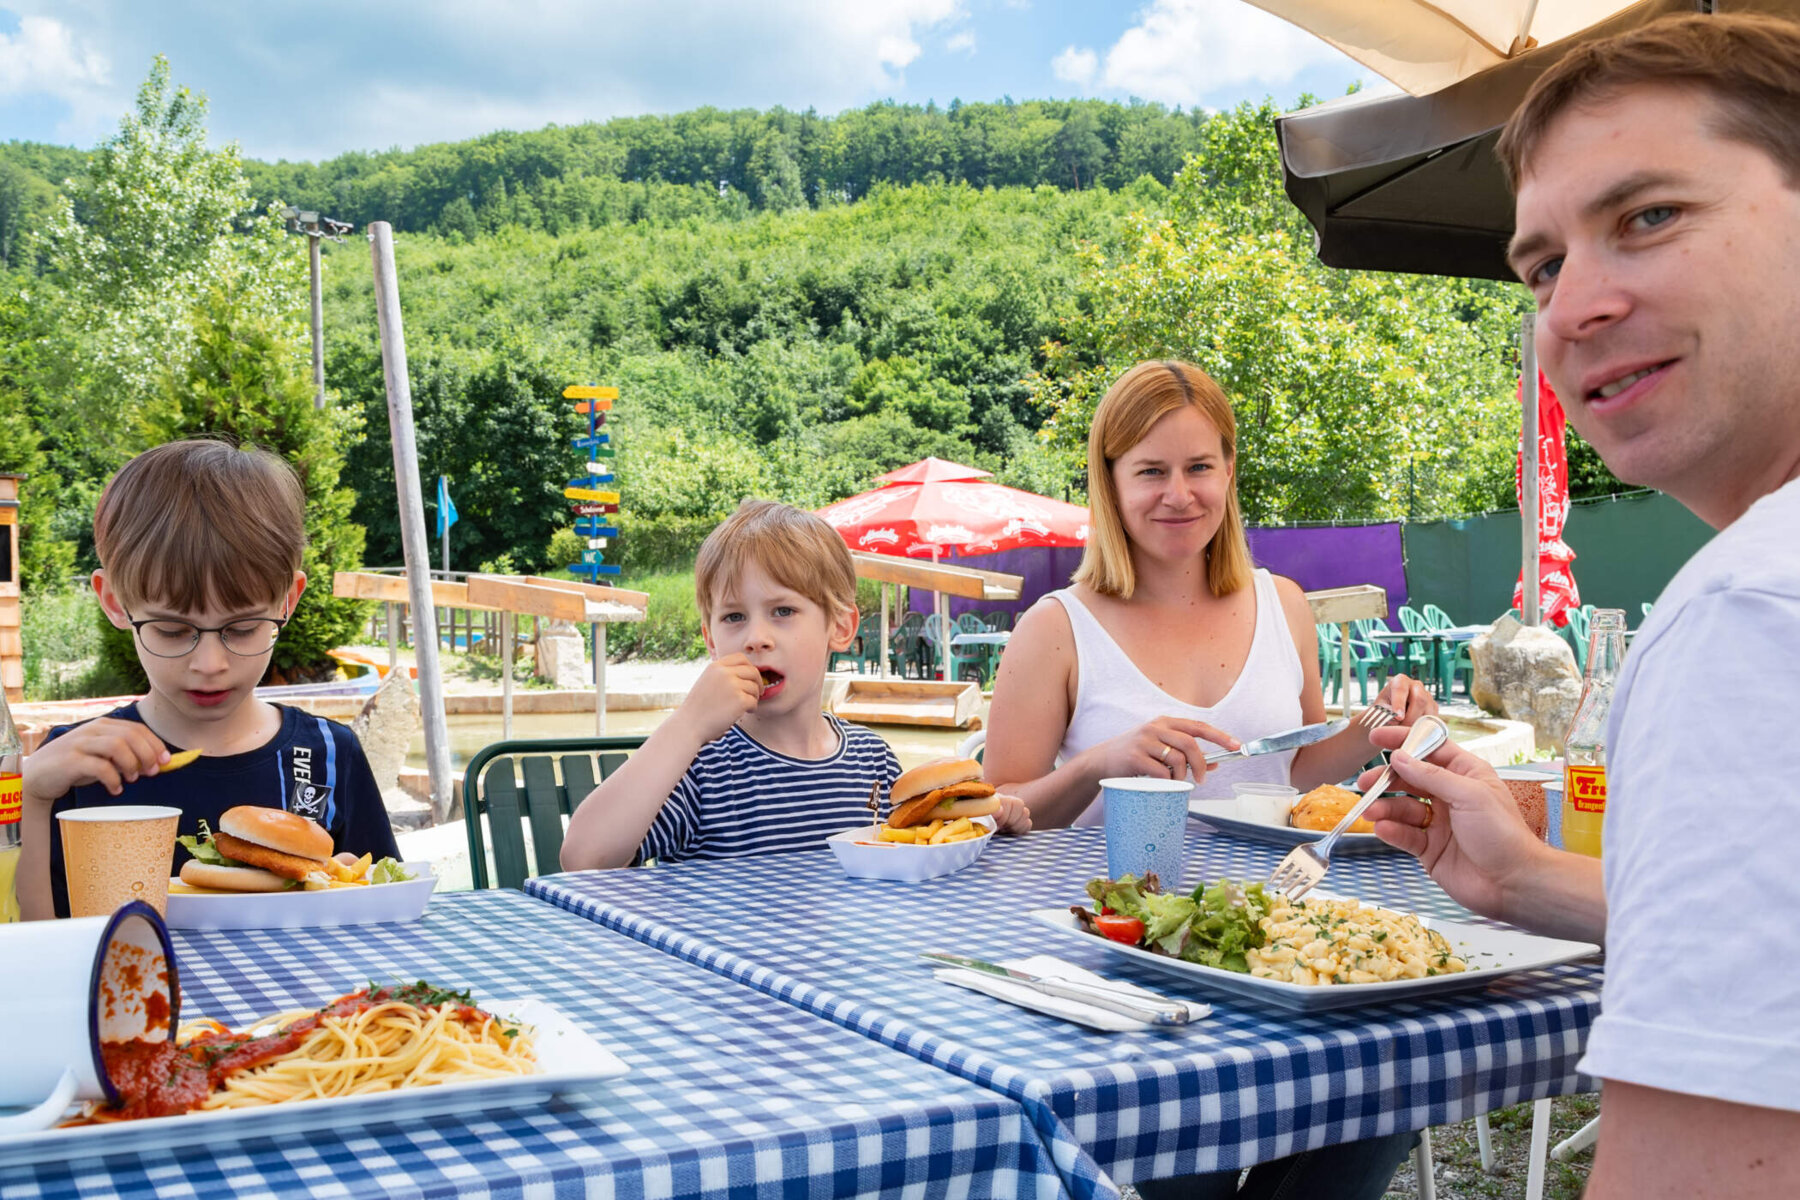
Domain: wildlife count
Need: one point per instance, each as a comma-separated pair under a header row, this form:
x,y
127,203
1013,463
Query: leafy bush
x,y
671,628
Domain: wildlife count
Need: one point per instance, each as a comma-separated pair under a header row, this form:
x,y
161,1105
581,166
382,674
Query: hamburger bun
x,y
216,878
945,789
283,843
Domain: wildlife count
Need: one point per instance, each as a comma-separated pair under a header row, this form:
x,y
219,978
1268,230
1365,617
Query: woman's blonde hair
x,y
1143,396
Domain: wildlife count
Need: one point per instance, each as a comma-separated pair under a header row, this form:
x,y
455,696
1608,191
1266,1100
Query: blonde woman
x,y
1170,644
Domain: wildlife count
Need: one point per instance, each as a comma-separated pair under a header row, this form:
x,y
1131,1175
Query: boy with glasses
x,y
200,548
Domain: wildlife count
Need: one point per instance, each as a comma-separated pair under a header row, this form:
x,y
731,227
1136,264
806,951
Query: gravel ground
x,y
1456,1158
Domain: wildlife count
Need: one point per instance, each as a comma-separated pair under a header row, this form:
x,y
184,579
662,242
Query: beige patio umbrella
x,y
1424,46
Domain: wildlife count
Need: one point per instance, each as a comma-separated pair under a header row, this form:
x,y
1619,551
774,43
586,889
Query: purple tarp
x,y
1315,558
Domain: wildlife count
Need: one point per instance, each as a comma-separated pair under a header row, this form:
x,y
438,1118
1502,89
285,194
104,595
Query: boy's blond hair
x,y
793,547
1143,396
201,522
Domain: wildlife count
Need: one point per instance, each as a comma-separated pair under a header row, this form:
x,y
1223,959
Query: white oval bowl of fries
x,y
913,854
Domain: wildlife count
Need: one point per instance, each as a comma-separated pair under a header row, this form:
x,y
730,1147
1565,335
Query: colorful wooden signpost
x,y
592,501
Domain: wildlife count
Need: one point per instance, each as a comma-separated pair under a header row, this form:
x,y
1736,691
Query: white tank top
x,y
1113,696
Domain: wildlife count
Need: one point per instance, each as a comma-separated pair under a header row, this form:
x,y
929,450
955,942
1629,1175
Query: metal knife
x,y
1139,1008
1293,739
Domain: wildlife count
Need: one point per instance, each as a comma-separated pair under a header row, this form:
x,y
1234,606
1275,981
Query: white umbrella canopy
x,y
1424,46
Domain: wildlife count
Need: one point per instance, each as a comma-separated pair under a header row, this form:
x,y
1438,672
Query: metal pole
x,y
412,517
1531,485
318,325
506,664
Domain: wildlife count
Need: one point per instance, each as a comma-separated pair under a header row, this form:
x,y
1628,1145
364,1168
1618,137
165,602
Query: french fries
x,y
935,833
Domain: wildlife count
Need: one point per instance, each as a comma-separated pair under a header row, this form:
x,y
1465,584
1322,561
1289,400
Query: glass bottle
x,y
12,750
1584,749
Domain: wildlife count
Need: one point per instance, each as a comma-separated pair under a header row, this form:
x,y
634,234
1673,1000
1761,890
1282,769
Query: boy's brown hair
x,y
793,547
1748,63
199,523
1139,399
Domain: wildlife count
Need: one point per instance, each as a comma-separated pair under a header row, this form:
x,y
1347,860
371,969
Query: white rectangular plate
x,y
305,910
569,1060
1492,954
1217,814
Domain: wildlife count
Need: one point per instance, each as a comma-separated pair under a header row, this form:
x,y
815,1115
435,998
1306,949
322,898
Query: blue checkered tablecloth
x,y
731,1093
1248,1085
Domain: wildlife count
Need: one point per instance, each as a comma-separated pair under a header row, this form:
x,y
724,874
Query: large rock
x,y
386,726
1527,674
561,657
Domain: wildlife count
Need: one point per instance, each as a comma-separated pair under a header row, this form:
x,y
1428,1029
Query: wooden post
x,y
412,517
1344,662
506,664
393,635
1530,490
600,677
884,630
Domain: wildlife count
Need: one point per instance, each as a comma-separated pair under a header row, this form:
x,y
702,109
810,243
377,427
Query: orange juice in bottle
x,y
11,809
1584,753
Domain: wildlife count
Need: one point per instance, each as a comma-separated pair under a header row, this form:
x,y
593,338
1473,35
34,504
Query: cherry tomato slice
x,y
1128,930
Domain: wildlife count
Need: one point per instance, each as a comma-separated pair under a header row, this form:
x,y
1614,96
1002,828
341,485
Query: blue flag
x,y
446,509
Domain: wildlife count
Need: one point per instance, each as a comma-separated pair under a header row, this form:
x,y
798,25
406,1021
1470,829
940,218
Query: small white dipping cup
x,y
1264,803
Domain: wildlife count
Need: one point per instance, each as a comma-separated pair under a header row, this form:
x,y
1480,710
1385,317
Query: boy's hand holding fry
x,y
727,689
107,751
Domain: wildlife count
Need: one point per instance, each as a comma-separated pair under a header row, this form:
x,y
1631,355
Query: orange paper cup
x,y
116,854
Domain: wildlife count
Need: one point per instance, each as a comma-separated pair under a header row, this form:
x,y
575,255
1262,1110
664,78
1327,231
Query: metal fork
x,y
1375,716
1299,872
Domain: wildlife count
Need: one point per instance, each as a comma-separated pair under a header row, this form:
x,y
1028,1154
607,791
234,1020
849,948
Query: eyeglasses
x,y
169,637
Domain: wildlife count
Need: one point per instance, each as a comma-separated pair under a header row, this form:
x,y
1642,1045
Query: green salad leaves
x,y
1213,925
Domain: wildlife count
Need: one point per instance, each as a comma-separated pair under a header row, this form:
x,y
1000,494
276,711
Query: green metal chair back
x,y
531,784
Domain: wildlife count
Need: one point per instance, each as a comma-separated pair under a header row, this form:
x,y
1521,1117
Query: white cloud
x,y
402,72
1076,66
961,43
44,56
1180,51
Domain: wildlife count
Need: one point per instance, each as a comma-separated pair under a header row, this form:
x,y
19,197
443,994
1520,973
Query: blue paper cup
x,y
1146,827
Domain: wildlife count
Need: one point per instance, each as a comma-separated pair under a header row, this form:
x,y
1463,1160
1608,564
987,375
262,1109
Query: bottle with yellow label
x,y
12,750
1584,749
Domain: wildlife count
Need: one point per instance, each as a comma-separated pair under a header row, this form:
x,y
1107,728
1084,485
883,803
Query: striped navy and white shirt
x,y
740,797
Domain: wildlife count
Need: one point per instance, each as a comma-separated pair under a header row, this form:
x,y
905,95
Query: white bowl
x,y
863,856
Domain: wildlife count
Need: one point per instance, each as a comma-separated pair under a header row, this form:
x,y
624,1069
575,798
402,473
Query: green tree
x,y
248,379
156,221
1357,395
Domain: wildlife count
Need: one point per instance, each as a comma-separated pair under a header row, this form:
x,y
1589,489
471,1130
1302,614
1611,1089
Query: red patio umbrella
x,y
958,516
933,470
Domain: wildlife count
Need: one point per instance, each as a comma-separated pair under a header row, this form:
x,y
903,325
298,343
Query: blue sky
x,y
307,81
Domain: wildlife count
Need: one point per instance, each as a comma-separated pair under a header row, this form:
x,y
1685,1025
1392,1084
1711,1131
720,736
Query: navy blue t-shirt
x,y
311,766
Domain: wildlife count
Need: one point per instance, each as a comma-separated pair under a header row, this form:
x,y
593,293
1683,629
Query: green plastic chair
x,y
973,659
1437,618
1576,634
531,784
1363,656
1391,656
932,651
903,643
1647,606
1329,650
865,650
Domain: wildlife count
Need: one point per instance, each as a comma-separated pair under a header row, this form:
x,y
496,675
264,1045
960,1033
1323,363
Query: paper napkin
x,y
1013,992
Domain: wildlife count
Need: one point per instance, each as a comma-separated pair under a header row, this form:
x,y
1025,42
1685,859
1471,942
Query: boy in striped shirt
x,y
750,764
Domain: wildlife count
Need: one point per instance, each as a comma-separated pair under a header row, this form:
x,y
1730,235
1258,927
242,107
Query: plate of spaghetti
x,y
375,1054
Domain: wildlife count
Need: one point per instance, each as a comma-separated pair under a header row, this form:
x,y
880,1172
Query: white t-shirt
x,y
1702,992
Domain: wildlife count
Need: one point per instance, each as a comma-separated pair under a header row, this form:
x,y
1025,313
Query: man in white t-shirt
x,y
1658,190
